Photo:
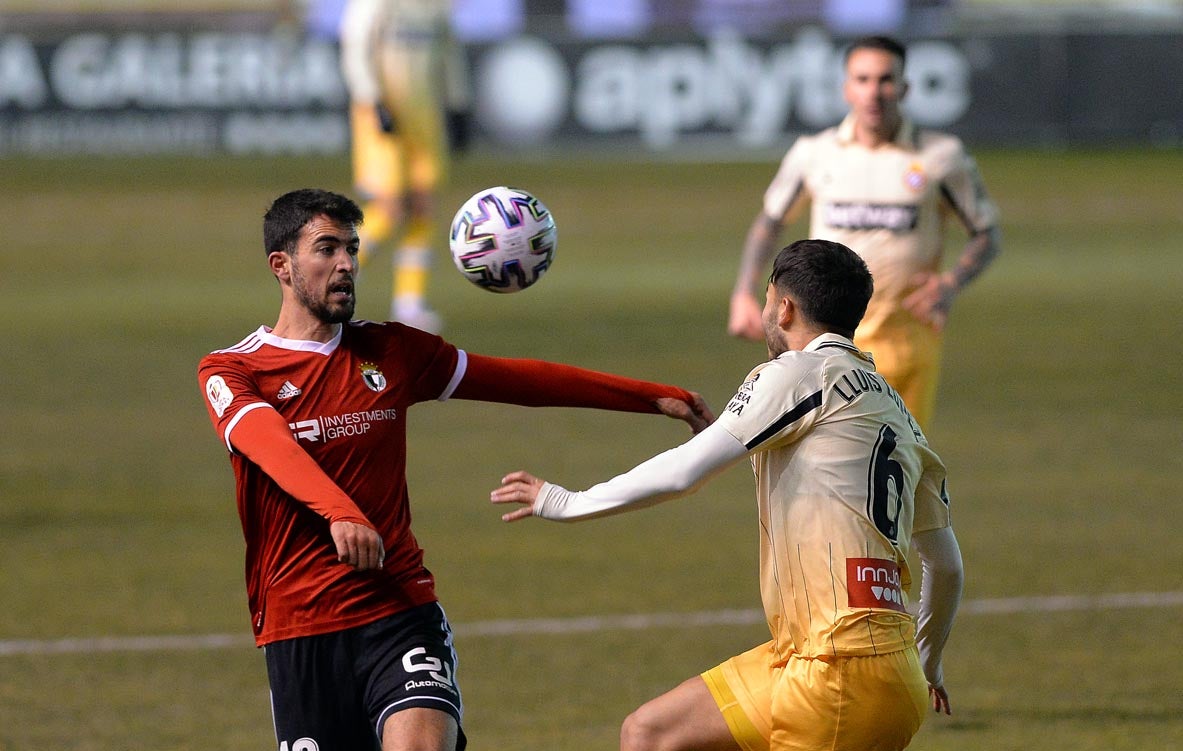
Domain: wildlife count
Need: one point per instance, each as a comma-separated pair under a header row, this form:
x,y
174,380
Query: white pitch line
x,y
123,644
584,624
1057,603
587,624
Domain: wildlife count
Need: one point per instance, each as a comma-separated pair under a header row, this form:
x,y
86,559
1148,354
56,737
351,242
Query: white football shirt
x,y
843,479
888,204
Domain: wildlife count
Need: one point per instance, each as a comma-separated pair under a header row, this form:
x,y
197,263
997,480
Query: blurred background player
x,y
883,187
408,102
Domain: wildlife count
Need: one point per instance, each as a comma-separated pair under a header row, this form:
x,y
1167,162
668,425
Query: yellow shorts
x,y
386,165
836,704
908,358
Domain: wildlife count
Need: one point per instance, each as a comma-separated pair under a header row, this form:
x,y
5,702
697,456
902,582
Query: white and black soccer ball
x,y
503,239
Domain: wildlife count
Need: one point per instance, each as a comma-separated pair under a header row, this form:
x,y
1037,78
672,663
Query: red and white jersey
x,y
345,403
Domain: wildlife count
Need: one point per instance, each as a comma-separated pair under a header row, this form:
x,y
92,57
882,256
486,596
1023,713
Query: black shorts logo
x,y
439,672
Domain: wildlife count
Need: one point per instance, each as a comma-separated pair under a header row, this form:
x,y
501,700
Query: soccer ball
x,y
503,239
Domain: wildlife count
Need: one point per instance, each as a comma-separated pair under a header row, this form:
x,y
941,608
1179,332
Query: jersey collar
x,y
301,345
837,341
905,137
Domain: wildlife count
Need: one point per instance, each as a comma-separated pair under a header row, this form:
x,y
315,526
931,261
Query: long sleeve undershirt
x,y
671,474
941,579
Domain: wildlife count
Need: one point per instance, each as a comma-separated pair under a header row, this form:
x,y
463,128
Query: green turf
x,y
1060,418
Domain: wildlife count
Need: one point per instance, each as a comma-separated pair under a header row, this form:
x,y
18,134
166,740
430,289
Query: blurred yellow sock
x,y
412,265
376,230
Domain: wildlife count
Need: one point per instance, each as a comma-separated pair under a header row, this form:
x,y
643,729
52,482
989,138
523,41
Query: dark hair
x,y
887,44
291,211
827,280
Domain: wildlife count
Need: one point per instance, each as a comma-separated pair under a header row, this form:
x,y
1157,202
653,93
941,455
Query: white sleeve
x,y
671,474
941,581
783,197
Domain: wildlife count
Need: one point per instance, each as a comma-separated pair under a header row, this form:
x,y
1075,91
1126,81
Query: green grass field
x,y
1060,418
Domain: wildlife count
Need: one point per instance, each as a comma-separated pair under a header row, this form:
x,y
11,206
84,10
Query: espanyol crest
x,y
373,377
915,178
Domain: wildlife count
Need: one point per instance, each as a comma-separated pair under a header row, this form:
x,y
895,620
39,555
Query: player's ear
x,y
281,265
786,311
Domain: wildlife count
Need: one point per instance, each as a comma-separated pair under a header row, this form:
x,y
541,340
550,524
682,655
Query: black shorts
x,y
336,691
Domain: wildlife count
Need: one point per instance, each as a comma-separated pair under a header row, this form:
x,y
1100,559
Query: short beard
x,y
339,314
322,310
774,339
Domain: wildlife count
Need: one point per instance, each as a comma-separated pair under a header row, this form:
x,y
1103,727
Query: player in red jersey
x,y
312,411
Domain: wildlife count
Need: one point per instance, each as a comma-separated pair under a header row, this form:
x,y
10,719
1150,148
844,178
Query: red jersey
x,y
317,434
345,403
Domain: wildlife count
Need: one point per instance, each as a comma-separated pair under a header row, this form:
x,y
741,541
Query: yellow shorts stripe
x,y
742,729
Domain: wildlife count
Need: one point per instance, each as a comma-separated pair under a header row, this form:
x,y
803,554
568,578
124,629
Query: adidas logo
x,y
288,390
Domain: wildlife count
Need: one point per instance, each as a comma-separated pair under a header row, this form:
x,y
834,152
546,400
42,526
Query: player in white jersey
x,y
846,486
408,89
885,188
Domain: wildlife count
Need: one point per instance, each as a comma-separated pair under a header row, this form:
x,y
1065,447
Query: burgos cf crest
x,y
373,377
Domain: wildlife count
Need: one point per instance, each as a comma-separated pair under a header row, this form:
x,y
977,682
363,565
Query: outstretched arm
x,y
672,474
941,580
537,383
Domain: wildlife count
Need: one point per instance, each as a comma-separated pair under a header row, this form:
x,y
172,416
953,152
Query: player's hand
x,y
940,699
517,487
358,545
385,118
696,413
931,300
746,318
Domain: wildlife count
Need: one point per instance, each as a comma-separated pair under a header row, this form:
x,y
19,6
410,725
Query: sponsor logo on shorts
x,y
874,583
439,672
411,685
